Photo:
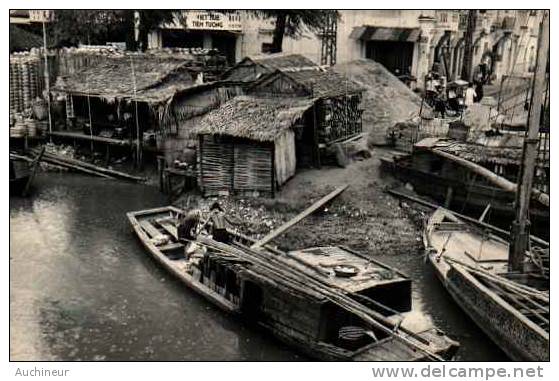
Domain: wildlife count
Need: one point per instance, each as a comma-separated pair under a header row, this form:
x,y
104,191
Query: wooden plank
x,y
171,246
151,230
89,168
307,212
82,136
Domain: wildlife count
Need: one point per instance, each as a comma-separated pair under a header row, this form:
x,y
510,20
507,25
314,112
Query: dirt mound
x,y
387,100
363,217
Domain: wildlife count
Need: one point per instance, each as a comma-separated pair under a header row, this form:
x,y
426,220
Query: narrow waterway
x,y
82,288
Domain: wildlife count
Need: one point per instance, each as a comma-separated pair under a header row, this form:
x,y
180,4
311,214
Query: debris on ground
x,y
363,217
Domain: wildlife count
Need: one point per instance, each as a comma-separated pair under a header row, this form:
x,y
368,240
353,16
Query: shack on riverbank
x,y
140,101
255,143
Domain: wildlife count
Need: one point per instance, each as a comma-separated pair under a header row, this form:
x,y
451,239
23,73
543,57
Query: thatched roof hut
x,y
260,119
248,145
161,93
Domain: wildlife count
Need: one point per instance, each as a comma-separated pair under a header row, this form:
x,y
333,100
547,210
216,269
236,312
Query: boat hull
x,y
389,349
471,196
518,336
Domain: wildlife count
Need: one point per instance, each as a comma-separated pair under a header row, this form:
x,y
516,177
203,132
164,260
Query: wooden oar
x,y
307,212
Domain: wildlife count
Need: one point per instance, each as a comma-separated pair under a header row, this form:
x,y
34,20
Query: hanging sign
x,y
41,15
206,20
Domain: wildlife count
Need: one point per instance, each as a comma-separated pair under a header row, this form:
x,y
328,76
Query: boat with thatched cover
x,y
431,173
330,303
472,264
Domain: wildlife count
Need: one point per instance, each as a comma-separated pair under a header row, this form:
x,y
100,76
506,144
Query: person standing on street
x,y
469,95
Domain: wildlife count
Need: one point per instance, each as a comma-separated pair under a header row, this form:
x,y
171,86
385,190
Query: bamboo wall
x,y
339,118
234,166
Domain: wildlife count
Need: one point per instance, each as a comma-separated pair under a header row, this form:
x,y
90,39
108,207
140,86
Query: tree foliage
x,y
293,23
74,26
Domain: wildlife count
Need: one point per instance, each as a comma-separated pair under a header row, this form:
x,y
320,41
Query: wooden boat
x,y
328,302
22,172
19,175
472,264
459,189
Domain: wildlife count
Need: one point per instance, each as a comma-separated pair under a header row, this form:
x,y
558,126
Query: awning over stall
x,y
373,33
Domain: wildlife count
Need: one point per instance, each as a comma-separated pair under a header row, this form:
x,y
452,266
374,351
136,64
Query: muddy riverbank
x,y
83,288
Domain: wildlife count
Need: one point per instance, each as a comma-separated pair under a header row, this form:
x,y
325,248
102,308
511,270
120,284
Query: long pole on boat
x,y
520,230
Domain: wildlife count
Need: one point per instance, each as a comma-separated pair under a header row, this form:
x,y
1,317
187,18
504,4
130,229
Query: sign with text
x,y
206,20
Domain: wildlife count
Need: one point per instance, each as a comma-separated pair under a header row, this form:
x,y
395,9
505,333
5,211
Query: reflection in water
x,y
431,298
82,287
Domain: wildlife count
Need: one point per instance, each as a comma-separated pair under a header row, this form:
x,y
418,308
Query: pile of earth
x,y
387,100
363,217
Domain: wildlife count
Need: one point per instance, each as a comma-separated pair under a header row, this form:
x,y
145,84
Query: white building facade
x,y
404,41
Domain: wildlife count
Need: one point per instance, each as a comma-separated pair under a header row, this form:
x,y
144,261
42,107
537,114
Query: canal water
x,y
82,287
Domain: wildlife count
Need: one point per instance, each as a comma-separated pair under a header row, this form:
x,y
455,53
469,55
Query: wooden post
x,y
468,46
273,150
448,199
160,167
47,79
520,230
316,139
199,159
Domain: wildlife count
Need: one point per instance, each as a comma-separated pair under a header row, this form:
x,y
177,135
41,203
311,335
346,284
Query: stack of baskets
x,y
25,81
19,129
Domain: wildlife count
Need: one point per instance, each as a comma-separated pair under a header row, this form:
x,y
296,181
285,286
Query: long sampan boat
x,y
472,264
330,303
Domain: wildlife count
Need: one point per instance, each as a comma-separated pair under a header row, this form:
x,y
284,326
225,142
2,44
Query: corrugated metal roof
x,y
373,33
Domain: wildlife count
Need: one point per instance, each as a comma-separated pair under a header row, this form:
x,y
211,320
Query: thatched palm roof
x,y
156,80
498,150
317,82
262,119
281,60
326,83
265,64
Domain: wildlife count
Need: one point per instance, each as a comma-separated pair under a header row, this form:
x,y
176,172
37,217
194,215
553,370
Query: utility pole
x,y
328,48
469,46
520,230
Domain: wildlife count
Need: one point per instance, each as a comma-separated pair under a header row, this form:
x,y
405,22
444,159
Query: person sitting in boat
x,y
186,229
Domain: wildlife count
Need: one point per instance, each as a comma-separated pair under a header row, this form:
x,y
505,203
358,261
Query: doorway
x,y
393,55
